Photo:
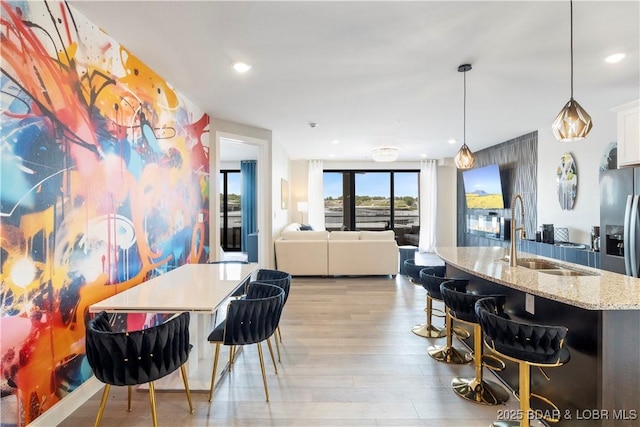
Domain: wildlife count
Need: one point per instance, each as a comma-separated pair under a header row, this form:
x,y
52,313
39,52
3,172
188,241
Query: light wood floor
x,y
349,358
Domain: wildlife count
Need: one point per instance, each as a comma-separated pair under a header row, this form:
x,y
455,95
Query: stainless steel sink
x,y
566,272
549,267
537,264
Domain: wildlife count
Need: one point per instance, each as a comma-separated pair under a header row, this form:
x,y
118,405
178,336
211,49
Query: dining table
x,y
200,289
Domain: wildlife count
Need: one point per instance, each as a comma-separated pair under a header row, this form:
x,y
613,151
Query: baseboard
x,y
61,410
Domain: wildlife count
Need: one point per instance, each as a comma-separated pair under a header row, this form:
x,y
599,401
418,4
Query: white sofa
x,y
338,253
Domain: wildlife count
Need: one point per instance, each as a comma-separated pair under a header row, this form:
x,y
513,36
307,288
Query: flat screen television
x,y
483,188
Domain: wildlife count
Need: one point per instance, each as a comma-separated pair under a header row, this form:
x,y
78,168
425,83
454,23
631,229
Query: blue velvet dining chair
x,y
250,320
128,358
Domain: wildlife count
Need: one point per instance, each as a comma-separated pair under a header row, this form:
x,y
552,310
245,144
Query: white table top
x,y
190,287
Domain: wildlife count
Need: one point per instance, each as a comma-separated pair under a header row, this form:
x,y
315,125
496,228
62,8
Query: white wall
x,y
280,167
587,155
299,179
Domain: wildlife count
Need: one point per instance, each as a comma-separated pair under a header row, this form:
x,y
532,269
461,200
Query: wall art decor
x,y
567,181
105,183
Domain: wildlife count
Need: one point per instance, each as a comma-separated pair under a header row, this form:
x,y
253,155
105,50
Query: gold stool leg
x,y
477,389
428,330
448,353
524,374
129,398
103,404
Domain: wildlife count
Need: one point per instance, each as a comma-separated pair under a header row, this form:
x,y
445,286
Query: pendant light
x,y
464,159
573,122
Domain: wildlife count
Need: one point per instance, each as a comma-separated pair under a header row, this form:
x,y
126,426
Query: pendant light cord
x,y
571,38
464,110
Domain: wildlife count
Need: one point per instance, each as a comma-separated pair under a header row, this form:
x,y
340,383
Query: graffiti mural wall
x,y
105,183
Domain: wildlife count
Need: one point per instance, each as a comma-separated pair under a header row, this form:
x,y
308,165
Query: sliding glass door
x,y
362,200
230,211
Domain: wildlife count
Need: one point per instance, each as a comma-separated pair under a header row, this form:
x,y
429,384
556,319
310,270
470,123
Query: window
x,y
373,201
361,200
333,200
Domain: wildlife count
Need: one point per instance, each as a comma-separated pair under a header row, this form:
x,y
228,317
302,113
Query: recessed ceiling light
x,y
241,67
452,141
616,57
335,141
423,155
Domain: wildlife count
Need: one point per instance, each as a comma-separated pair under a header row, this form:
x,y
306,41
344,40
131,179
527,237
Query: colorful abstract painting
x,y
104,184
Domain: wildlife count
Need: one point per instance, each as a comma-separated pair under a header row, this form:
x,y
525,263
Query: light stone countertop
x,y
604,291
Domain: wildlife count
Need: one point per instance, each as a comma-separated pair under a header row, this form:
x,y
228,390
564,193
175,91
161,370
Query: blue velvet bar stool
x,y
461,307
447,353
412,270
527,345
428,330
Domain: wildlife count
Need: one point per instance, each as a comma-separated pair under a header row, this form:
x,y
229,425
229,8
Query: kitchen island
x,y
600,385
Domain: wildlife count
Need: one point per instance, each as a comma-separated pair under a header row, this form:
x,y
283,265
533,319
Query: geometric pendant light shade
x,y
464,159
572,123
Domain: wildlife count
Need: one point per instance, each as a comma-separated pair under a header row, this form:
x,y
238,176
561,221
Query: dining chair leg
x,y
186,387
271,352
279,333
128,398
103,404
152,401
213,374
232,355
277,346
264,375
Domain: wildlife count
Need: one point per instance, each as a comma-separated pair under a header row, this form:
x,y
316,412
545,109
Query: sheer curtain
x,y
248,200
428,205
315,194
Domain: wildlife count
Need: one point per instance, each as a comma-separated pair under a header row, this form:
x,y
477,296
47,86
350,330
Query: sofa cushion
x,y
305,235
377,235
344,235
294,226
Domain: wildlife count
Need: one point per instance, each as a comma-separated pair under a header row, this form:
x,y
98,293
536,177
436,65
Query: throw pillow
x,y
306,227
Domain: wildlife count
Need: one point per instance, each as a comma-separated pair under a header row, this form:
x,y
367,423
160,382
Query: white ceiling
x,y
383,73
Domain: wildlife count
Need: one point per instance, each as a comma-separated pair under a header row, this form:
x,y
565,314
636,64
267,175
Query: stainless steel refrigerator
x,y
620,220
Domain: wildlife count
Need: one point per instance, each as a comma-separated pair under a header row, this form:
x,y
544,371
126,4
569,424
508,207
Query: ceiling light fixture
x,y
464,159
573,122
385,154
241,67
615,58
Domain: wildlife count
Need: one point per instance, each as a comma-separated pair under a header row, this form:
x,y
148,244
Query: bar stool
x,y
461,307
411,269
528,345
427,330
447,353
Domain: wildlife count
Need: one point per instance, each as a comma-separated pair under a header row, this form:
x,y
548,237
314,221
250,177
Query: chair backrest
x,y
278,278
136,357
436,270
522,341
432,283
255,317
461,304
